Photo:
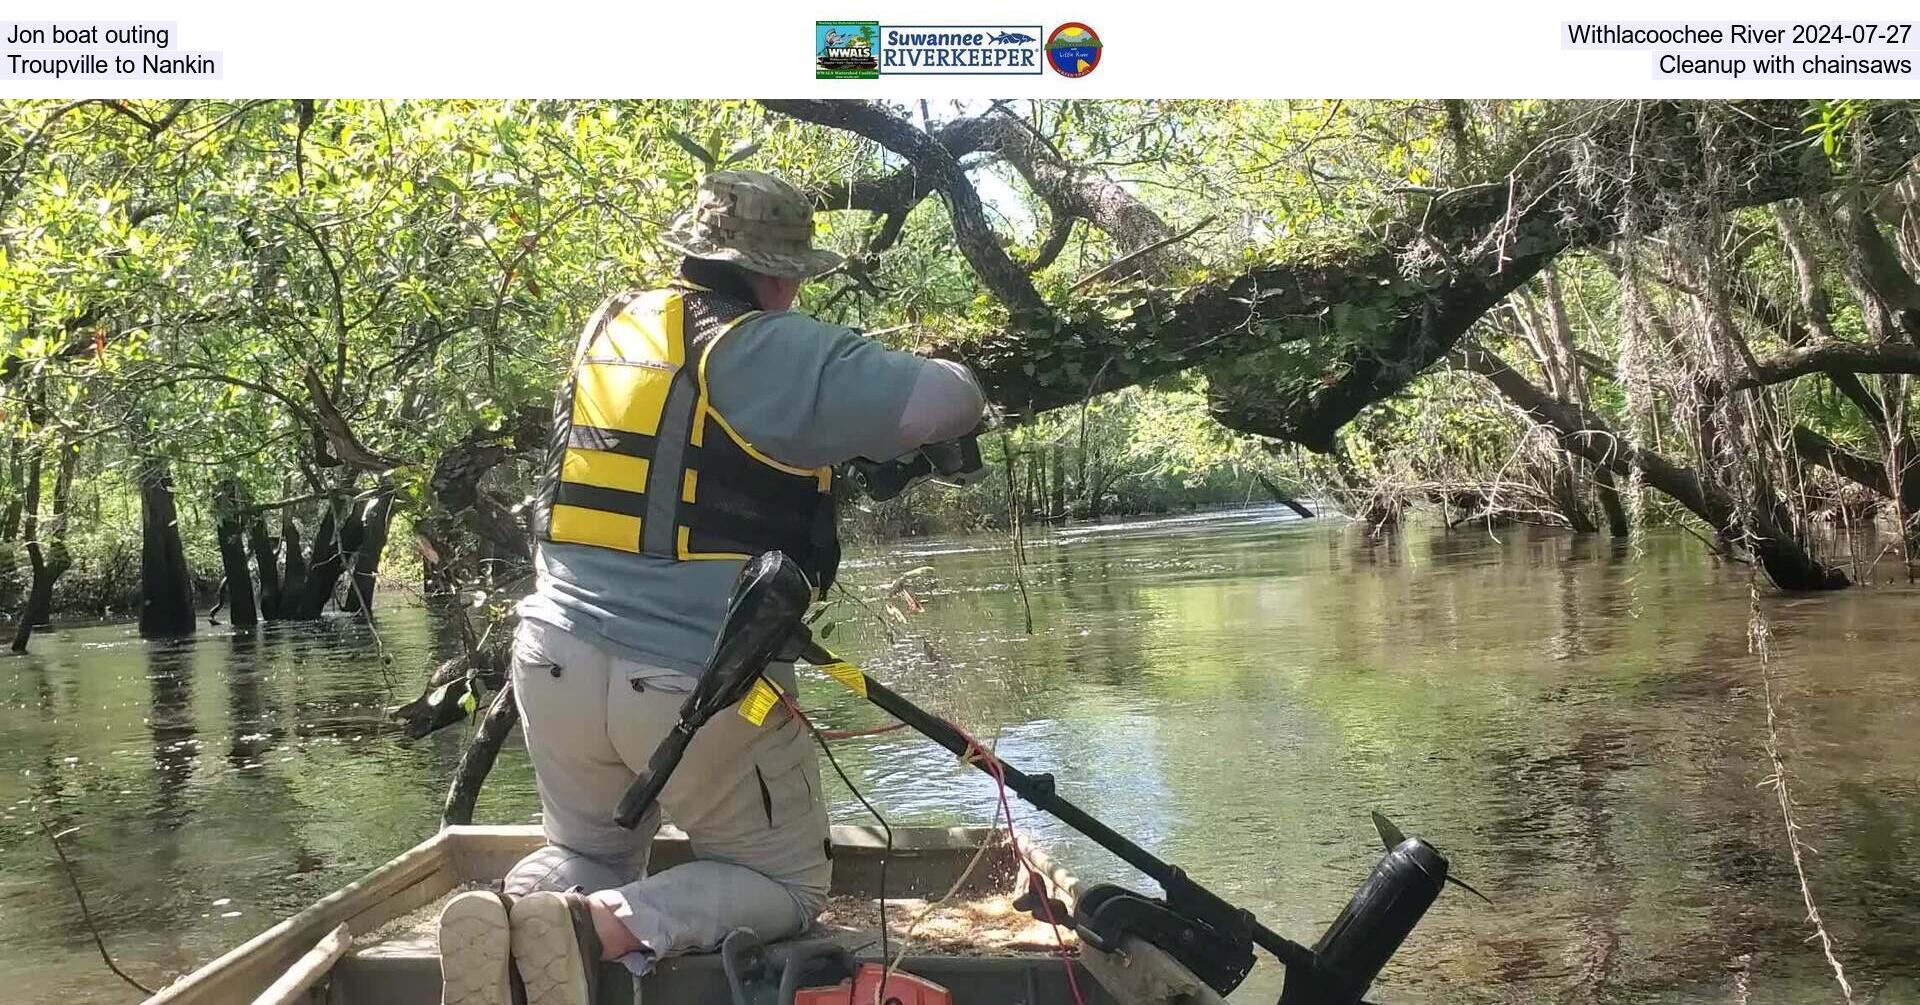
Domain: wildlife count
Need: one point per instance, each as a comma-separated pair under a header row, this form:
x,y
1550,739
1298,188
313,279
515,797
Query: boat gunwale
x,y
260,959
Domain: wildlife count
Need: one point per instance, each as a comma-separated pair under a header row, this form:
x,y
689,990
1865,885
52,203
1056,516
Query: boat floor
x,y
975,943
986,925
985,949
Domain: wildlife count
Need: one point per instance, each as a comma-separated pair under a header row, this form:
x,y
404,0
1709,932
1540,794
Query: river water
x,y
1577,725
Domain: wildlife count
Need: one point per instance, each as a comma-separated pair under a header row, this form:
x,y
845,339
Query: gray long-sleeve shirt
x,y
804,392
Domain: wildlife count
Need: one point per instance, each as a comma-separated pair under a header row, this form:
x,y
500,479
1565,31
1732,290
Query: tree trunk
x,y
1057,483
1900,457
266,559
1786,560
325,564
166,587
376,518
1888,296
293,579
1030,491
477,762
58,559
230,532
1564,473
10,520
1550,336
1609,492
1900,481
30,513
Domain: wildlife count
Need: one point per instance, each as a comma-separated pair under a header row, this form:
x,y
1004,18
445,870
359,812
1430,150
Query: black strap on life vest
x,y
742,500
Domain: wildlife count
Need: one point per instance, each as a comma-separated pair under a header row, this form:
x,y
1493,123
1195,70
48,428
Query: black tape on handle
x,y
646,789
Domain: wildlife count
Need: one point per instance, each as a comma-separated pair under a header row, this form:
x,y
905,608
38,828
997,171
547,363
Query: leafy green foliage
x,y
176,278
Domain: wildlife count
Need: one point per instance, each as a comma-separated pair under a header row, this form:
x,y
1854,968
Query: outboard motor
x,y
1211,938
768,599
1370,928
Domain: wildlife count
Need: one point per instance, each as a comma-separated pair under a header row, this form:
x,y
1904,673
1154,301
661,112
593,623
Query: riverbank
x,y
103,587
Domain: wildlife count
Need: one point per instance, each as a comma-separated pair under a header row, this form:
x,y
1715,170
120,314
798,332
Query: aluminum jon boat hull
x,y
323,955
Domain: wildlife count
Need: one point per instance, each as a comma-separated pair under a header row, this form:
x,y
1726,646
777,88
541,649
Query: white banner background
x,y
1355,49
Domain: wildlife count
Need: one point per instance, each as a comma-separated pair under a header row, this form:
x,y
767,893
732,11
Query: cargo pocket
x,y
780,768
529,657
659,680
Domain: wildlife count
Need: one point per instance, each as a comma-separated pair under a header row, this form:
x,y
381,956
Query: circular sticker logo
x,y
1073,50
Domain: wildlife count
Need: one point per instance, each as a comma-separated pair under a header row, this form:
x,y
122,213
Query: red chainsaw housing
x,y
902,989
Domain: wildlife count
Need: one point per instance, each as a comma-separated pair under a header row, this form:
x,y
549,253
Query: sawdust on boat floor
x,y
419,923
983,926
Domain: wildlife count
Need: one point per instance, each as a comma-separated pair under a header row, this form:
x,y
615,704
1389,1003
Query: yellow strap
x,y
705,408
849,676
700,405
766,694
760,701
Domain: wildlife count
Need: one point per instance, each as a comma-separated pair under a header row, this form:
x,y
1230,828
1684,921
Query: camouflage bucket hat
x,y
754,220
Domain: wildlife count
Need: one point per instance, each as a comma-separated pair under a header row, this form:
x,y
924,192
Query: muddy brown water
x,y
1578,725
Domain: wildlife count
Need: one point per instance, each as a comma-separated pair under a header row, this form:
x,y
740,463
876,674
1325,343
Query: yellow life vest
x,y
641,462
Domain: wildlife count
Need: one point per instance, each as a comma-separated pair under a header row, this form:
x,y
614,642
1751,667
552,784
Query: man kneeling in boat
x,y
698,425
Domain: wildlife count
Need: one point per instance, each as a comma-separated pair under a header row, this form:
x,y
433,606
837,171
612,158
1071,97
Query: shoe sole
x,y
475,955
547,952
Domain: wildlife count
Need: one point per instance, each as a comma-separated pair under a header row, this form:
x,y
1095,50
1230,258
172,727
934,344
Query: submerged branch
x,y
86,914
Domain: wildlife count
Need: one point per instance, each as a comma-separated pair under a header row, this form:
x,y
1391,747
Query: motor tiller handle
x,y
769,599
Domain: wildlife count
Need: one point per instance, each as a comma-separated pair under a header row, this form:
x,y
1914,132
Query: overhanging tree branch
x,y
1497,234
1813,446
1351,328
929,157
1849,357
328,420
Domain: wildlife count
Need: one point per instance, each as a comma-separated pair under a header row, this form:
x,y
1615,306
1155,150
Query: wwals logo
x,y
846,50
865,49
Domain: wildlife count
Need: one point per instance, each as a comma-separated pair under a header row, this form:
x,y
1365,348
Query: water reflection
x,y
1577,723
170,723
252,725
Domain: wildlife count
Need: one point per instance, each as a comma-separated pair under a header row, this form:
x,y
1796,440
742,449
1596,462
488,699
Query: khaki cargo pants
x,y
748,797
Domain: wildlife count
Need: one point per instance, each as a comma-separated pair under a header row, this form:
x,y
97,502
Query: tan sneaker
x,y
476,966
555,948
